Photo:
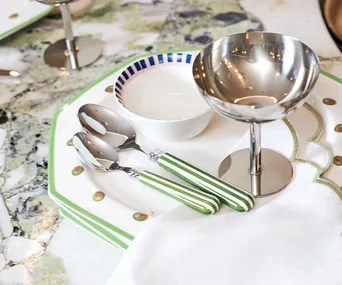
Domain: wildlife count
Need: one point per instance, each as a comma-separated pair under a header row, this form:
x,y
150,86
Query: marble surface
x,y
36,245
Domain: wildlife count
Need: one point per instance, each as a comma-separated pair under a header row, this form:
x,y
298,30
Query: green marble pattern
x,y
27,104
49,269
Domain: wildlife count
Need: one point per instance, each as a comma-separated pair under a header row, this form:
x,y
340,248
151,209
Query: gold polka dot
x,y
13,16
338,160
109,89
77,170
329,101
140,217
98,196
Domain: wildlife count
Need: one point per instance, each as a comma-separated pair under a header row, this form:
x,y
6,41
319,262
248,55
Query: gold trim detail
x,y
321,171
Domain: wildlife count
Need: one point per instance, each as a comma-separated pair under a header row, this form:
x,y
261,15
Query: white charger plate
x,y
125,197
17,14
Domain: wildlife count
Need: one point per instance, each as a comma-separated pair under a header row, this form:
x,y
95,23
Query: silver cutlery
x,y
119,133
99,155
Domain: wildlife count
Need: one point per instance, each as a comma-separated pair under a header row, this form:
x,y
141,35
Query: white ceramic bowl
x,y
159,96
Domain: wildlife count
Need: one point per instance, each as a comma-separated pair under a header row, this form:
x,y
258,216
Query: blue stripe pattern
x,y
183,58
125,75
121,80
118,85
137,66
160,58
151,60
169,57
119,98
130,69
143,64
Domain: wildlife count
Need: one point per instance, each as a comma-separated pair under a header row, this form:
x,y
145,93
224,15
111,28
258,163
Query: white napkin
x,y
290,238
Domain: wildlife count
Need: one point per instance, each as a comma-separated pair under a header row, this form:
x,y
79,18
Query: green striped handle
x,y
194,198
230,195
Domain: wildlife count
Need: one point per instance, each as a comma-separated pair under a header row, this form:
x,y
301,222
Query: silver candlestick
x,y
71,52
256,78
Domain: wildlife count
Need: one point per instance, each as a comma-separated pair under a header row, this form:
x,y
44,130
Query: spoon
x,y
99,155
119,133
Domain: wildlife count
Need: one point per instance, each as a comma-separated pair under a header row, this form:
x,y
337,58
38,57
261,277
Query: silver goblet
x,y
70,53
256,77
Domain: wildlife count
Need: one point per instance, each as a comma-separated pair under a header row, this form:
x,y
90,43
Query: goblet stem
x,y
255,167
255,151
69,37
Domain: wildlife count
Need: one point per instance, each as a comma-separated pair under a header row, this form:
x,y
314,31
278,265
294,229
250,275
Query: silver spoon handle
x,y
230,195
193,198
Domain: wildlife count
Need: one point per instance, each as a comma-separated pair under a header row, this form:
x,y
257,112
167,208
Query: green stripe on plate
x,y
28,22
67,215
93,227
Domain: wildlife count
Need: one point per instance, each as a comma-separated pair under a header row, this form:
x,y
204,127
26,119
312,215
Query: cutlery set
x,y
102,157
107,133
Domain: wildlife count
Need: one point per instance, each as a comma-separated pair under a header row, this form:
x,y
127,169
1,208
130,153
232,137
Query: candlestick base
x,y
88,50
276,172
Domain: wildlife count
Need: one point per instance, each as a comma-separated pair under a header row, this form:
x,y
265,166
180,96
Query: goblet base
x,y
276,172
88,50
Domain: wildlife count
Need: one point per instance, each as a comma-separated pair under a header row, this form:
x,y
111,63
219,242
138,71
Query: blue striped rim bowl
x,y
159,96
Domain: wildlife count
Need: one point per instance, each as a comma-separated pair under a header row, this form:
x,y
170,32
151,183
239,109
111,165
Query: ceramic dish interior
x,y
158,94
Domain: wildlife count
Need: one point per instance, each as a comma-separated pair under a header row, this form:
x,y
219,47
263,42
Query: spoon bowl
x,y
109,126
95,153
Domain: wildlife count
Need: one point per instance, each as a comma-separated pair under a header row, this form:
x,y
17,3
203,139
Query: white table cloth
x,y
292,238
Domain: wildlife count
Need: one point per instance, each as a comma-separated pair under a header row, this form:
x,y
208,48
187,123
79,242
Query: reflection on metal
x,y
241,66
70,53
256,100
256,78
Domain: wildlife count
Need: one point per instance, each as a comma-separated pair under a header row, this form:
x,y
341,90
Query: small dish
x,y
159,96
